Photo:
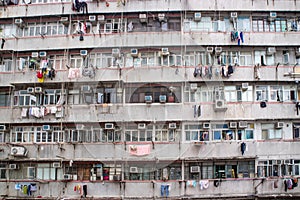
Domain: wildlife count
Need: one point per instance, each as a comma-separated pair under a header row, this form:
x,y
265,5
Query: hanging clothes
x,y
243,148
204,184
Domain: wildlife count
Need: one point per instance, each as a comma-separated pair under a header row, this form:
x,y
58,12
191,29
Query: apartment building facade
x,y
150,99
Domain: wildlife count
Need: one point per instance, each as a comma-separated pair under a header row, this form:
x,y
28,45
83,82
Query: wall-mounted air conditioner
x,y
279,124
271,50
193,87
46,128
197,16
2,127
273,15
162,98
115,53
164,51
92,18
133,170
109,126
161,17
35,54
220,105
143,18
148,99
218,49
141,125
68,176
101,18
134,52
233,15
245,86
56,165
38,90
83,52
232,124
172,125
42,53
86,89
13,166
243,124
64,20
209,49
195,169
18,21
18,151
30,90
206,125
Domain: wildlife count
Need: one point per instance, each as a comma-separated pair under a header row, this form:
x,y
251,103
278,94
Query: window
x,y
76,61
245,59
196,132
222,132
3,173
30,172
163,134
45,172
2,137
4,99
267,168
270,132
261,93
296,131
138,135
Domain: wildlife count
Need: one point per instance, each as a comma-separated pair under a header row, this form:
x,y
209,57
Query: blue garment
x,y
164,190
242,37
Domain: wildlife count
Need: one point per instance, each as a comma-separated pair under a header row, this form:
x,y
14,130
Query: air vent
x,y
243,124
273,14
141,126
13,166
143,18
172,126
43,54
92,18
83,52
18,21
195,169
279,124
56,165
232,124
109,126
101,18
218,49
35,54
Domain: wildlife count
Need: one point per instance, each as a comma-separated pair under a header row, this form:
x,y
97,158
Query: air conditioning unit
x,y
232,124
134,170
56,165
13,166
68,176
83,52
101,18
35,54
141,126
38,90
18,151
92,18
298,51
197,16
109,126
206,125
162,98
279,125
271,50
64,20
209,49
143,18
233,15
273,15
79,126
289,162
161,17
245,86
165,51
46,128
243,124
42,53
220,104
193,87
218,49
172,125
30,90
286,58
148,99
134,52
195,169
86,88
115,53
18,21
2,127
